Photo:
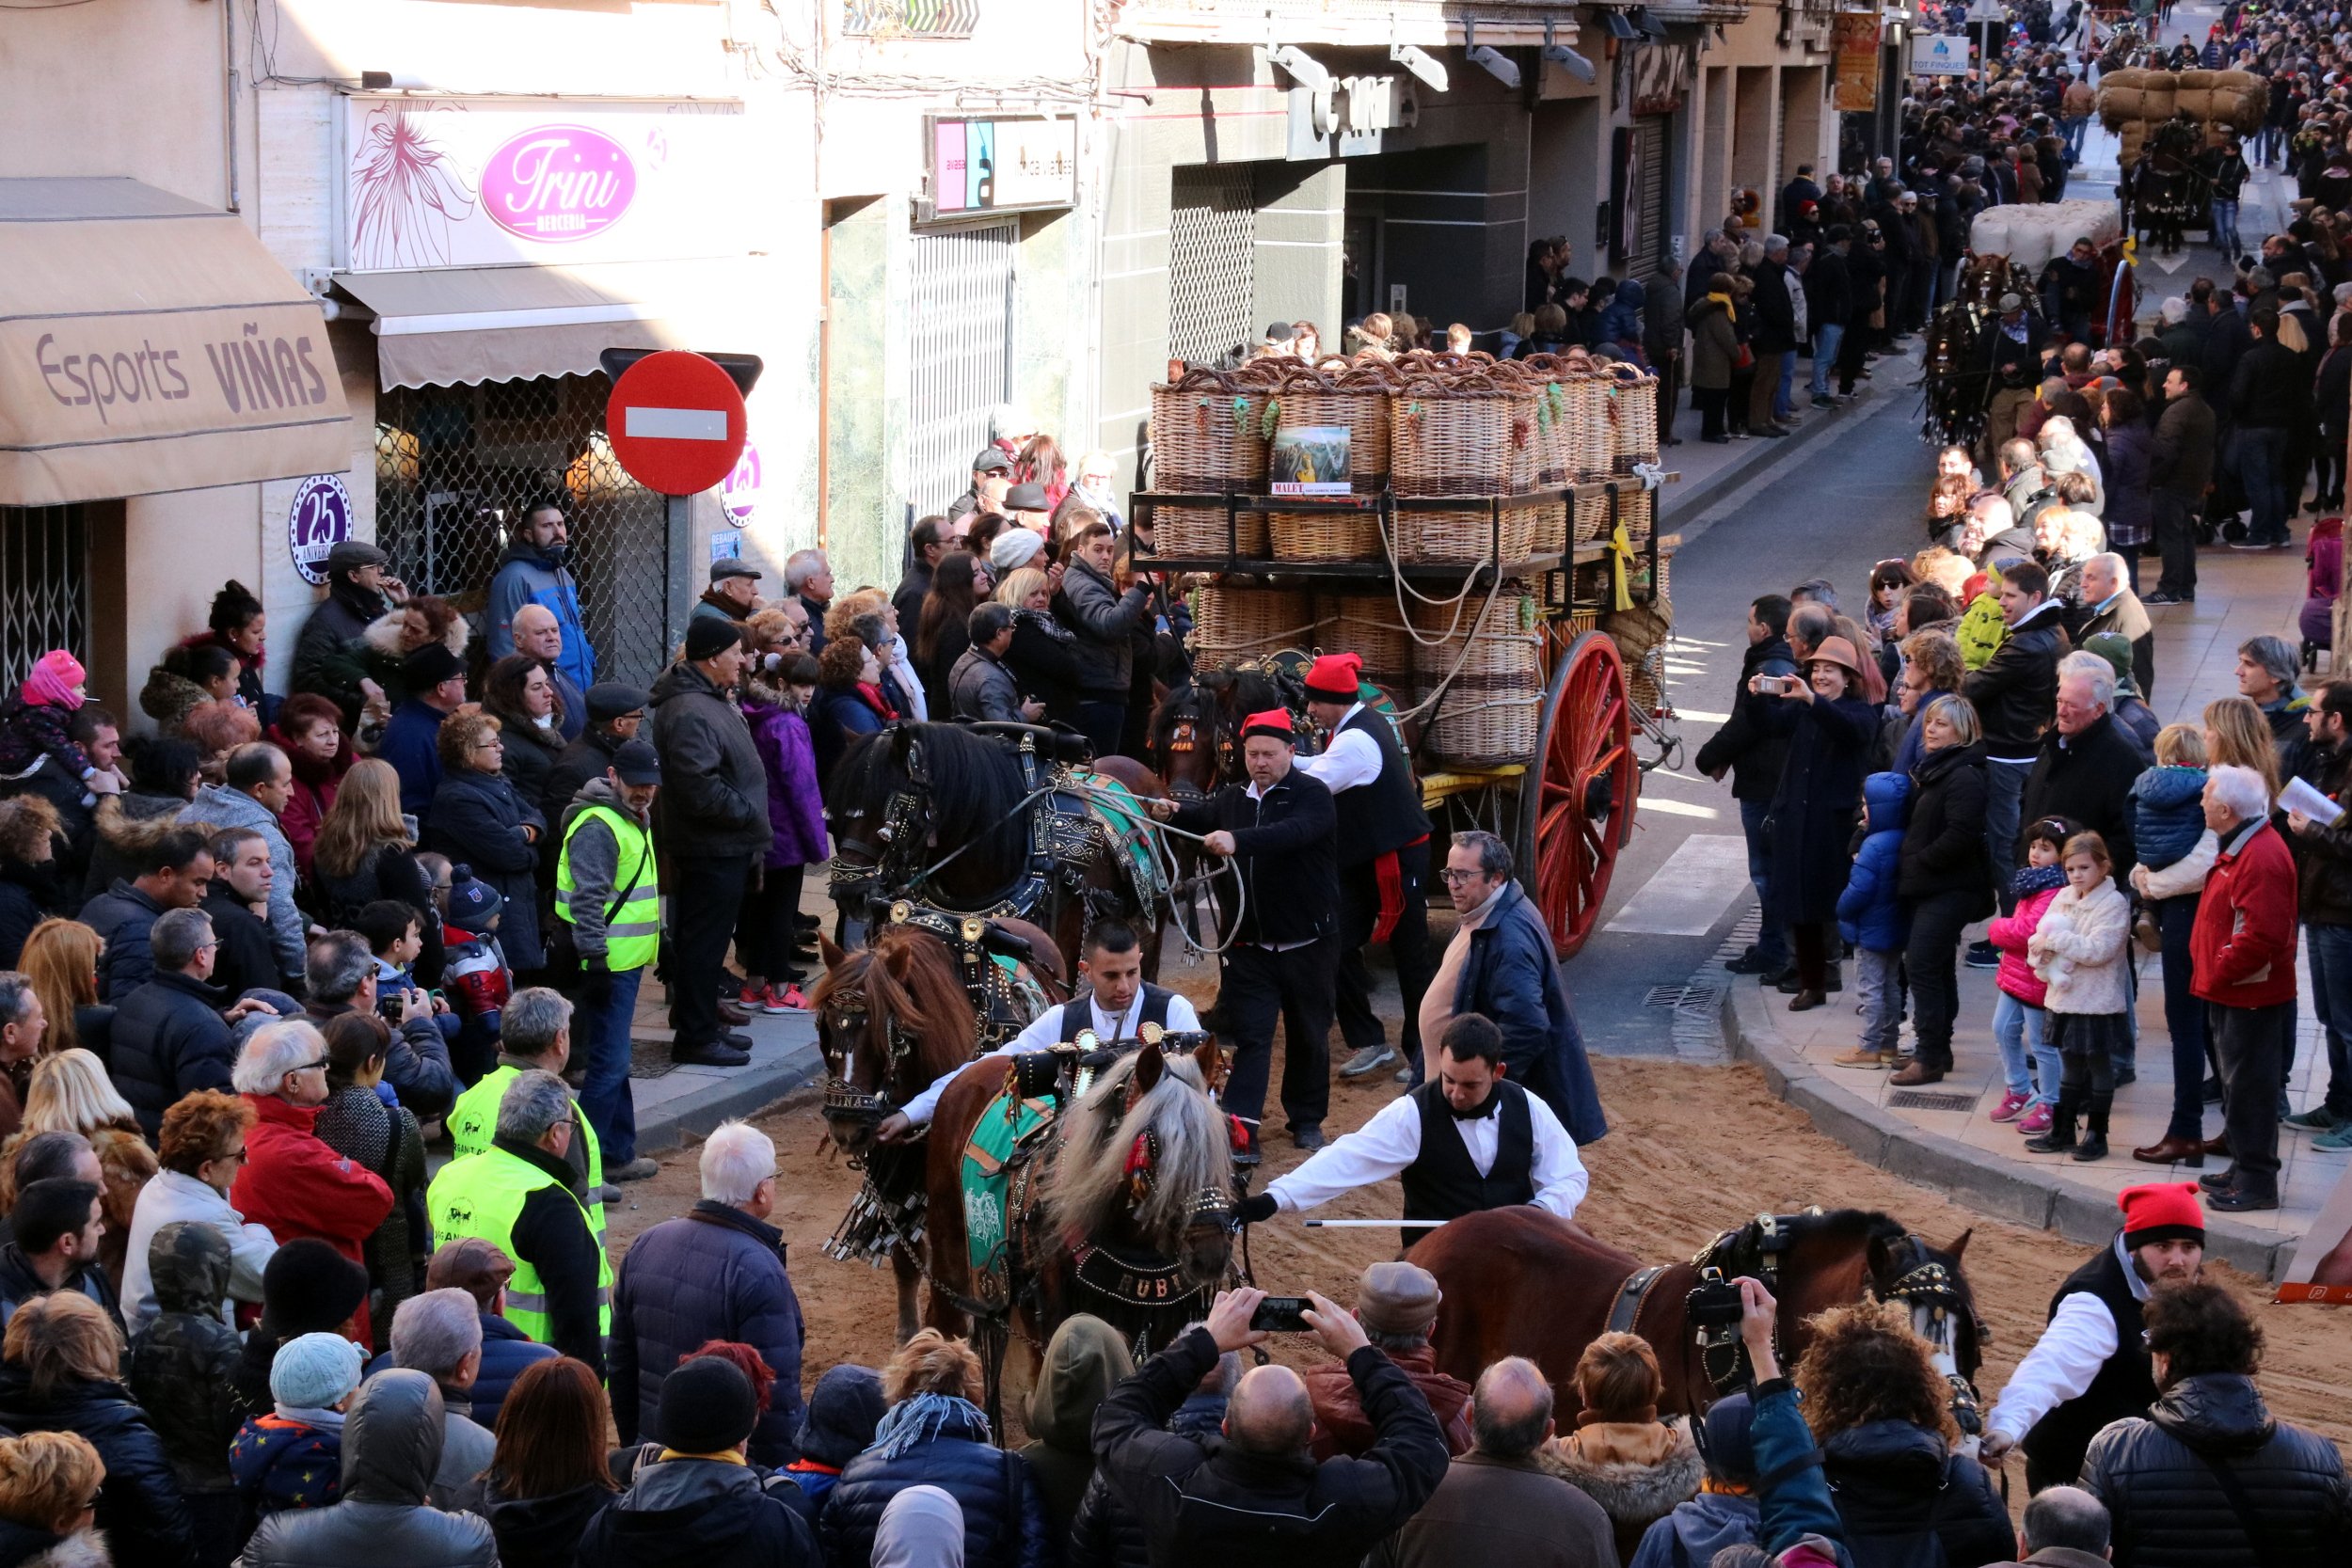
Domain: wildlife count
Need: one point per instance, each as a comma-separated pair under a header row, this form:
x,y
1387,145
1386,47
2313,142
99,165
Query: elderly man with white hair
x,y
440,1334
2242,959
2110,606
292,1181
2088,762
717,1272
540,635
808,577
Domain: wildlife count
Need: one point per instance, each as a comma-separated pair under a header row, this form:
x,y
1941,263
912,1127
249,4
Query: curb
x,y
774,1072
1721,485
2023,1194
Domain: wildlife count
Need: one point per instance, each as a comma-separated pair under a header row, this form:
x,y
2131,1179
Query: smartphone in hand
x,y
1281,1315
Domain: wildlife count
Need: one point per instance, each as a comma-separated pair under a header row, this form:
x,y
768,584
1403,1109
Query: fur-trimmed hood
x,y
29,1547
1628,1491
133,823
383,635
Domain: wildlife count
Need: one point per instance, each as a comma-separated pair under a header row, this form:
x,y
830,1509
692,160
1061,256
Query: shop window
x,y
458,467
45,586
1211,253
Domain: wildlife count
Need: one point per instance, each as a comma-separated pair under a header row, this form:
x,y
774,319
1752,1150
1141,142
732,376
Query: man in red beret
x,y
1383,859
1279,957
2090,1365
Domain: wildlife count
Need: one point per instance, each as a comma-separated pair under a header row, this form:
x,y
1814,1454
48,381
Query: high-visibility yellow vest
x,y
474,1121
632,933
483,1195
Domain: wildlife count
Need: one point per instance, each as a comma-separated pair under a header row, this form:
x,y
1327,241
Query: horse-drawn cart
x,y
1495,561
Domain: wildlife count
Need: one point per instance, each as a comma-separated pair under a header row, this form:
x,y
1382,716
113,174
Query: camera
x,y
1714,1303
388,1007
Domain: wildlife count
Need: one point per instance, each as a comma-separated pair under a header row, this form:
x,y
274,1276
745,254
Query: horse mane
x,y
908,978
1088,1180
974,789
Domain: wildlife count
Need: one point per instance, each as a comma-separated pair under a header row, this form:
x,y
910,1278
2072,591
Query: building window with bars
x,y
44,587
1212,263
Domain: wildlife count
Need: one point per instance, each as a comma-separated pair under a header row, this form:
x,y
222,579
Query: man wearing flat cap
x,y
615,711
437,688
992,475
359,591
1280,960
733,594
1397,1304
2091,1366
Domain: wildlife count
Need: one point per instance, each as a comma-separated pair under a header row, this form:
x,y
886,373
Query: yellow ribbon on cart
x,y
1620,552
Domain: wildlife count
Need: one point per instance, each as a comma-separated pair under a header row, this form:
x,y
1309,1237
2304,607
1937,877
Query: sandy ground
x,y
1694,1151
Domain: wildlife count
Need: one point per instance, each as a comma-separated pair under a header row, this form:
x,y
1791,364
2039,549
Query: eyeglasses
x,y
320,1066
493,744
1454,877
240,1154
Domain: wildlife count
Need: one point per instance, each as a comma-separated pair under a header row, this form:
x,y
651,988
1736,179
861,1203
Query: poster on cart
x,y
1309,460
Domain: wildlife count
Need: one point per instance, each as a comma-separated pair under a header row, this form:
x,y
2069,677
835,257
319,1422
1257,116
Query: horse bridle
x,y
842,1098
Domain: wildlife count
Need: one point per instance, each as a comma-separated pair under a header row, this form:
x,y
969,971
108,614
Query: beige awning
x,y
148,343
449,326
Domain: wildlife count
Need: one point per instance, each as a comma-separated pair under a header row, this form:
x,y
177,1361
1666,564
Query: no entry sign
x,y
677,423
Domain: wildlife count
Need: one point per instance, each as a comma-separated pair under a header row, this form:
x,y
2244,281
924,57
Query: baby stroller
x,y
2322,579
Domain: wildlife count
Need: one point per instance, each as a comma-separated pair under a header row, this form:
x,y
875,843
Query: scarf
x,y
924,1416
873,698
2031,880
51,681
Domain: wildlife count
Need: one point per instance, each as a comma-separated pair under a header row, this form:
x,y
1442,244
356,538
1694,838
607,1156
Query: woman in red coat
x,y
293,1182
310,730
2242,962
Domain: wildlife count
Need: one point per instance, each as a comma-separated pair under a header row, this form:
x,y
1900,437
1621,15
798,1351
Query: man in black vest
x,y
1383,857
1280,830
1470,1140
2091,1366
1116,1002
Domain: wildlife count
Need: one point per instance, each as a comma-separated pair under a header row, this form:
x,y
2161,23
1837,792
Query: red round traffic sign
x,y
677,423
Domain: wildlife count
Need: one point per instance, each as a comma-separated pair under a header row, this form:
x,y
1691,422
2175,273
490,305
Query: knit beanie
x,y
1014,549
472,905
52,680
707,1406
308,1287
844,1409
708,637
313,1372
2161,1211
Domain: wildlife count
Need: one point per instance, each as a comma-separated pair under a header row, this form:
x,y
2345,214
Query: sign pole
x,y
679,595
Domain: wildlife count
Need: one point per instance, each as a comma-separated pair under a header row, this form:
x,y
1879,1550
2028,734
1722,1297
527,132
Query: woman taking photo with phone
x,y
1830,727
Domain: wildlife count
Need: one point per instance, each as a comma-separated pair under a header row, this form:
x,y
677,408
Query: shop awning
x,y
449,326
149,344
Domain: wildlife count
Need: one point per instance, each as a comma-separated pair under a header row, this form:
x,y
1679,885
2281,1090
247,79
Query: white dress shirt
x,y
1391,1141
1351,760
1045,1032
2079,1340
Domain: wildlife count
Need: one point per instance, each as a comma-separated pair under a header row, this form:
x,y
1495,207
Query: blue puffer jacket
x,y
1868,914
2167,813
1003,1513
526,576
1621,320
715,1272
506,1352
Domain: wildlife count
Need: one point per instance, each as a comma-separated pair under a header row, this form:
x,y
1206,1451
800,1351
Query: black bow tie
x,y
1485,1108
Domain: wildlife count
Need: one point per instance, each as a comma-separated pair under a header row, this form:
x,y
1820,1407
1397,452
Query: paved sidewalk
x,y
1942,1135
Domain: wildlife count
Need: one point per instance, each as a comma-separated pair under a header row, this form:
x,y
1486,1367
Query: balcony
x,y
1364,24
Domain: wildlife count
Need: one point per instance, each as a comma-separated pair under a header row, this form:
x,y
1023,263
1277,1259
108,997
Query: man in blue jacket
x,y
536,569
715,1272
1501,963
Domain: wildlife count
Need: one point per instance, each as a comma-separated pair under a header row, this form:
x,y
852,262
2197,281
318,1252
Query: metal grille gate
x,y
456,468
45,586
1212,250
1649,195
960,326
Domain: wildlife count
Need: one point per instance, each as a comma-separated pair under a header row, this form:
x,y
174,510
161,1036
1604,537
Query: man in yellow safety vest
x,y
535,1031
516,1195
606,891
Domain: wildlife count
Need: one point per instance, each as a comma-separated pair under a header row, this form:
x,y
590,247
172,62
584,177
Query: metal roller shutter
x,y
1649,195
960,324
1212,248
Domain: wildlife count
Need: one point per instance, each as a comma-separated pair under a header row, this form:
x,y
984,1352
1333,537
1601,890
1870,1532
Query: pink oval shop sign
x,y
556,183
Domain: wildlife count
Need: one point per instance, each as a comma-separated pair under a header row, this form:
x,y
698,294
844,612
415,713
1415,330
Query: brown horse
x,y
1518,1281
893,1019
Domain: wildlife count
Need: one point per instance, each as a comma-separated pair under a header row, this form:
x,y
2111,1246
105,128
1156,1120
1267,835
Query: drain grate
x,y
1682,997
1924,1099
650,1059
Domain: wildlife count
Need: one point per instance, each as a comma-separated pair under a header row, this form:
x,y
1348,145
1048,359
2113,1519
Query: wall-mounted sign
x,y
738,493
909,19
1352,111
997,165
319,519
1655,79
1939,55
443,183
1856,37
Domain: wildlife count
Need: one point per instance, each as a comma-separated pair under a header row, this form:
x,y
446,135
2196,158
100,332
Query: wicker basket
x,y
1554,468
1632,418
1209,438
1324,535
1452,437
1637,510
1592,515
1551,529
1358,399
1371,626
1491,711
1230,624
1592,449
1464,536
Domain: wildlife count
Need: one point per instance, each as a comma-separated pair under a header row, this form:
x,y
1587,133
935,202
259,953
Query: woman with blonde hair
x,y
366,851
935,1433
49,1486
60,958
63,1372
72,1093
2238,735
1881,1413
1044,657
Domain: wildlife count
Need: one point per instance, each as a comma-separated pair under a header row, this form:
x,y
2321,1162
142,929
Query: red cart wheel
x,y
1577,803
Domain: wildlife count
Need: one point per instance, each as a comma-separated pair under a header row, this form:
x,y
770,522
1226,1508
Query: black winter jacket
x,y
1943,848
1103,618
1217,1504
1746,743
139,1505
2323,855
542,1532
584,759
552,1235
477,820
183,1369
1900,1494
1829,291
124,918
715,795
169,1041
245,961
28,895
1004,1512
2157,1474
2270,389
2016,692
1286,849
1776,313
2088,779
698,1513
1108,1534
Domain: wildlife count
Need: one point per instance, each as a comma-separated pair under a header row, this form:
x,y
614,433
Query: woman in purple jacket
x,y
776,694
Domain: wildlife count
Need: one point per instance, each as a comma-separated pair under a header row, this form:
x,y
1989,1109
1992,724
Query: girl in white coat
x,y
2078,951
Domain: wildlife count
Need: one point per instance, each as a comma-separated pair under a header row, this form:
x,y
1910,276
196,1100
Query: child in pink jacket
x,y
2019,1020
